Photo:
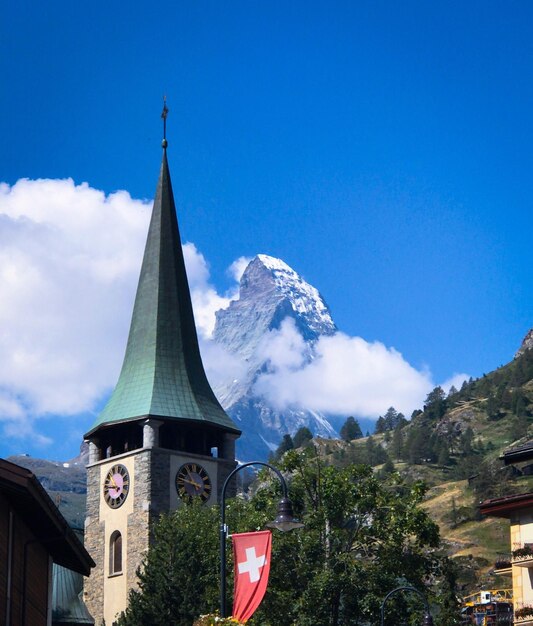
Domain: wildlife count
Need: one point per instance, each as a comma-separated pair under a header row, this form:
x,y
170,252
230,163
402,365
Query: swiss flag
x,y
251,552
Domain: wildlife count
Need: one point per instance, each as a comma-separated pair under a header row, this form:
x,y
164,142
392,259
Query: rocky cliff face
x,y
527,344
270,292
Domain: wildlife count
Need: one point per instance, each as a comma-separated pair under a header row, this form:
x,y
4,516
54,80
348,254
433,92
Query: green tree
x,y
350,430
493,406
519,427
373,453
444,458
178,580
419,445
302,436
435,405
388,467
466,441
363,534
389,421
519,404
380,426
285,445
397,443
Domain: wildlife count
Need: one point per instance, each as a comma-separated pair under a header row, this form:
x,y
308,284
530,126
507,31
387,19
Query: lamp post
x,y
284,521
428,620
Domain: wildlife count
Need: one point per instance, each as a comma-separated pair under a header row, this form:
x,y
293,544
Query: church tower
x,y
163,436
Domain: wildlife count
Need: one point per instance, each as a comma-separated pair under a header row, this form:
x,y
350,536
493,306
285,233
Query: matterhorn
x,y
270,294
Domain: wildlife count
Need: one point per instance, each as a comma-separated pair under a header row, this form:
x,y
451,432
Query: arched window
x,y
115,553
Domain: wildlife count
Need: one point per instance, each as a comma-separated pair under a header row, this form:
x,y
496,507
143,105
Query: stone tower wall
x,y
152,475
95,545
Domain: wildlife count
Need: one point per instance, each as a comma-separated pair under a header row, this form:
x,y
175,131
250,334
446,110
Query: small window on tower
x,y
115,553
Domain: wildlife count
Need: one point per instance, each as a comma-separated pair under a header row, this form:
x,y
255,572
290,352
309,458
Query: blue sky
x,y
381,149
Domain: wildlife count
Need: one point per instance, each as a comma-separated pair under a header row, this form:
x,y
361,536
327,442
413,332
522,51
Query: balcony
x,y
523,615
503,565
523,556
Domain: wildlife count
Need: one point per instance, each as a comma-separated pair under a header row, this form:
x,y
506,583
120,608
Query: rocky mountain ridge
x,y
527,344
270,292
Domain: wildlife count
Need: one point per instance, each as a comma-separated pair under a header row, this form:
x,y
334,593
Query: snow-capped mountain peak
x,y
305,299
270,291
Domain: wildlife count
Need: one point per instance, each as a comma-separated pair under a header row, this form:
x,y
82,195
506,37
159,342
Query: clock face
x,y
192,481
116,486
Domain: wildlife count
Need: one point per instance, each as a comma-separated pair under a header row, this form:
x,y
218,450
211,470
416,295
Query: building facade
x,y
33,536
163,436
518,509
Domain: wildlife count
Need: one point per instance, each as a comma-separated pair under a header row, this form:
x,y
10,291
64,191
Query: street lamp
x,y
284,521
428,620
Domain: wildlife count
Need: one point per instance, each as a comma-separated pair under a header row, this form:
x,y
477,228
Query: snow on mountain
x,y
270,292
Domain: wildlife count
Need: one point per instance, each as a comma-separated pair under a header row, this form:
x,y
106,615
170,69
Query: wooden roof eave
x,y
26,494
507,505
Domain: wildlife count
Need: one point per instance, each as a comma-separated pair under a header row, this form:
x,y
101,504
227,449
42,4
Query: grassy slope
x,y
475,544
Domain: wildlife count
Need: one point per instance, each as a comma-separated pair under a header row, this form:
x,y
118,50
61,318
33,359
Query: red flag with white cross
x,y
251,552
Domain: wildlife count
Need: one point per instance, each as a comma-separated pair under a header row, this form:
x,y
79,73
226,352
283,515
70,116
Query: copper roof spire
x,y
162,374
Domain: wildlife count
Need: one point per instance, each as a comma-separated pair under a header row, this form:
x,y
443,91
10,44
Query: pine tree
x,y
302,436
444,455
466,441
388,467
380,426
285,445
435,405
168,594
397,443
350,430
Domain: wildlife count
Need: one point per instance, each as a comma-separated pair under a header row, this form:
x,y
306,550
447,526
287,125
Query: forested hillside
x,y
454,443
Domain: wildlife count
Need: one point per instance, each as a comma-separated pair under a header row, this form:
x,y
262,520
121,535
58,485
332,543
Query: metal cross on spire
x,y
164,118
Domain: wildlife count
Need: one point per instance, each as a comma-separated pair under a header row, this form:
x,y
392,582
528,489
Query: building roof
x,y
507,505
67,604
28,497
162,375
519,454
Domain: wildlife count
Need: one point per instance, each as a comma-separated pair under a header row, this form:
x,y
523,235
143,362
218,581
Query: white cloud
x,y
284,349
205,299
456,381
221,366
236,269
347,375
24,429
69,263
10,409
70,258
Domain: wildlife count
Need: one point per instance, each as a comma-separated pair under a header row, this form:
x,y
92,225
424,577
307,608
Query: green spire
x,y
162,374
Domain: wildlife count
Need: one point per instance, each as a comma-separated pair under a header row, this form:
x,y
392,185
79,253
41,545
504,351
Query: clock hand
x,y
192,482
191,479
